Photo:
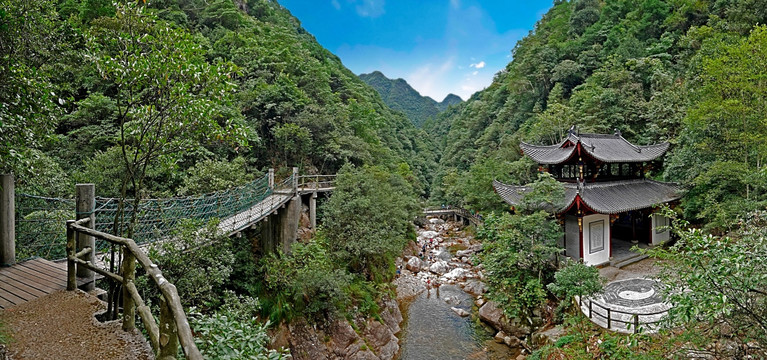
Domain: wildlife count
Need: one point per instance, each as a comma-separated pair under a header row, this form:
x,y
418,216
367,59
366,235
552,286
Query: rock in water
x,y
429,235
414,264
443,254
491,314
439,267
456,274
460,312
437,221
475,287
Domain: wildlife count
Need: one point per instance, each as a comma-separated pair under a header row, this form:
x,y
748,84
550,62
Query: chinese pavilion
x,y
607,197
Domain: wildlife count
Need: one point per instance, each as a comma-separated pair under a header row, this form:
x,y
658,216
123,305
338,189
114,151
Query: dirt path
x,y
62,326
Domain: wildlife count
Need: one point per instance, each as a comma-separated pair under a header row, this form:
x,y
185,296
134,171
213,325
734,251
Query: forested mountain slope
x,y
283,100
399,95
684,71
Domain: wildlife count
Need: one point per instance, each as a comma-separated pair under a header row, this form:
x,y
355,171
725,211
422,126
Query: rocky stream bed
x,y
439,312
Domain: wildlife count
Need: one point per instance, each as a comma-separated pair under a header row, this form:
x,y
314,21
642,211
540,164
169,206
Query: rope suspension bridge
x,y
39,228
40,221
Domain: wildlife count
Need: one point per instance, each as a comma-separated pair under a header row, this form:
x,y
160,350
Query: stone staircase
x,y
625,261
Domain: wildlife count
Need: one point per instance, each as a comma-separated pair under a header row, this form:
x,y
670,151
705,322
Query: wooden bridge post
x,y
271,179
7,220
71,267
313,210
85,200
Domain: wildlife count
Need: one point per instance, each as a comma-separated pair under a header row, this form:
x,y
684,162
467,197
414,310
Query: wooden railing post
x,y
168,332
7,220
129,275
71,245
590,302
85,205
271,179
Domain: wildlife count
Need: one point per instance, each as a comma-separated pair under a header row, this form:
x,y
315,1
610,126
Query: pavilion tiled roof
x,y
603,197
604,147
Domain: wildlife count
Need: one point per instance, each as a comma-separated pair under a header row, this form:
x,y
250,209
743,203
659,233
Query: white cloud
x,y
475,73
335,4
431,80
478,65
370,8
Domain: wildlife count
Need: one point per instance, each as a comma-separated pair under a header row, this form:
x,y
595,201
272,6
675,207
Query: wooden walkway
x,y
30,280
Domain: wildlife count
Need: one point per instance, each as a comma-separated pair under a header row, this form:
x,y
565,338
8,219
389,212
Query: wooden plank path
x,y
254,214
30,280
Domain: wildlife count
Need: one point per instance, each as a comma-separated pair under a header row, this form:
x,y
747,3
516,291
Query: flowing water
x,y
432,330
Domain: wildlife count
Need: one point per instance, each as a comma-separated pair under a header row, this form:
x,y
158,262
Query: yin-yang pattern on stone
x,y
633,293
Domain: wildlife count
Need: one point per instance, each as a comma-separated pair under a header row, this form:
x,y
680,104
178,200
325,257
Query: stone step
x,y
628,261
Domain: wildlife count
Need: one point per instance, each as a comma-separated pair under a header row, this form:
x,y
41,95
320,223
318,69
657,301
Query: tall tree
x,y
168,97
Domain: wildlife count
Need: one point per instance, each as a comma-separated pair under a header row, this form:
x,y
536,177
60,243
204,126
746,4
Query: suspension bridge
x,y
43,250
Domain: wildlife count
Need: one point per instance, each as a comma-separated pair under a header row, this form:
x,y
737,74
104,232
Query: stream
x,y
431,329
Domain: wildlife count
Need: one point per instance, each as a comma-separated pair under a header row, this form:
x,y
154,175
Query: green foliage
x,y
212,175
367,220
517,254
29,40
198,262
723,278
678,71
576,279
168,97
724,138
304,282
233,332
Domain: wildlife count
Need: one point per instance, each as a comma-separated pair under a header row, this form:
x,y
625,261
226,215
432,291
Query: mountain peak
x,y
450,99
399,95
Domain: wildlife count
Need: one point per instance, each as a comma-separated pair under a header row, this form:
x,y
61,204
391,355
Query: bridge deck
x,y
255,213
30,280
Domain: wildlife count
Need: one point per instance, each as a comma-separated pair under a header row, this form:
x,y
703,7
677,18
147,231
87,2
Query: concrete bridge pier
x,y
280,229
313,210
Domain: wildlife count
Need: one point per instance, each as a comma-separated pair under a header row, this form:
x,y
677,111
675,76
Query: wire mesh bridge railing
x,y
41,221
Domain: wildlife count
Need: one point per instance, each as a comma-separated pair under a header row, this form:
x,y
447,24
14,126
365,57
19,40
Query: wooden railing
x,y
316,181
173,326
610,319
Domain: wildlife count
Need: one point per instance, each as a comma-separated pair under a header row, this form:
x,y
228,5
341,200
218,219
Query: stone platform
x,y
627,306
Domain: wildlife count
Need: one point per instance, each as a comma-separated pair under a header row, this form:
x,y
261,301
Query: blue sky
x,y
438,46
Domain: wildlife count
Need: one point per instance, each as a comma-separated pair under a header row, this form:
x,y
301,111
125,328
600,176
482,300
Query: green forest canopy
x,y
685,71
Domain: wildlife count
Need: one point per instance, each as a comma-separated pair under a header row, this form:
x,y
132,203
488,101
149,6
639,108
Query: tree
x,y
29,38
517,250
368,220
168,97
719,280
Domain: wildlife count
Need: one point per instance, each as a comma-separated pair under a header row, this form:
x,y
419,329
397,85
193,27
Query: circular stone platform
x,y
625,299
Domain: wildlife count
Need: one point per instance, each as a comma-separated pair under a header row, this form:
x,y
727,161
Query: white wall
x,y
572,237
596,239
659,236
